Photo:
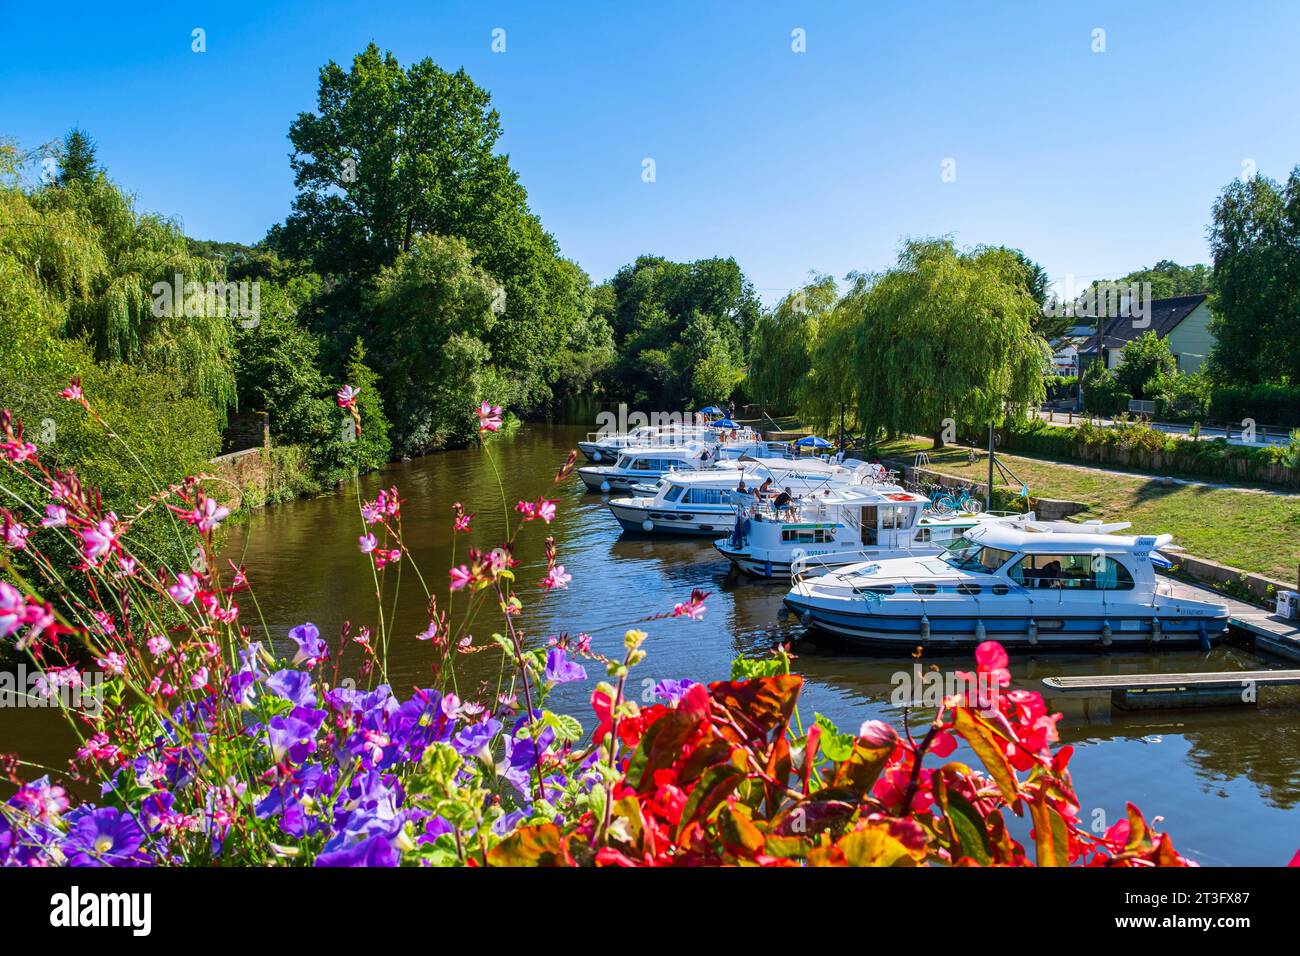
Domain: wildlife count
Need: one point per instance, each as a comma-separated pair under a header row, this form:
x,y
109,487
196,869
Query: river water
x,y
1224,780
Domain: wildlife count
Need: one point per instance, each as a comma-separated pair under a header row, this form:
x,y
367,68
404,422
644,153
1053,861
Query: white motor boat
x,y
847,525
605,448
645,464
1030,586
706,501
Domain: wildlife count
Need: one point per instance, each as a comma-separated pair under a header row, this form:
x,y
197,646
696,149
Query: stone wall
x,y
246,430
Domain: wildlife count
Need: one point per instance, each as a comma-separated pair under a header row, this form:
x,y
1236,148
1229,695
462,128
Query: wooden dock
x,y
1165,691
1271,634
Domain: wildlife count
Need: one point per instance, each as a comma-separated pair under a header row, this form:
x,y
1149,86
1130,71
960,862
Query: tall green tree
x,y
393,154
1255,242
780,351
77,158
433,312
1146,360
946,334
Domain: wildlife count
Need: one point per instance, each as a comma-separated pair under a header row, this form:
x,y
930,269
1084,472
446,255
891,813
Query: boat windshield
x,y
967,555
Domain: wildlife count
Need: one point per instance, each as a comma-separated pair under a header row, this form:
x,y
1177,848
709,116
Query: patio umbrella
x,y
725,423
812,441
711,410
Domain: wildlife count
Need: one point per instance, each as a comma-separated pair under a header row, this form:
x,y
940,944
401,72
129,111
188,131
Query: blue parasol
x,y
812,441
711,410
724,423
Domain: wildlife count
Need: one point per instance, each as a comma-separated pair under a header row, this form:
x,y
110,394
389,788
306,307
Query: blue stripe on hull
x,y
951,630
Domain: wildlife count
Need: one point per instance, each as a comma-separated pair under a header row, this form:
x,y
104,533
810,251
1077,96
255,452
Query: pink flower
x,y
347,396
185,589
16,535
98,540
460,576
199,679
462,522
556,578
367,543
126,566
694,608
158,645
56,516
73,392
19,451
546,510
489,417
527,509
383,557
113,663
207,514
877,733
11,609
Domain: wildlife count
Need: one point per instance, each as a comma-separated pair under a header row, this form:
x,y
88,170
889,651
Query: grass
x,y
1252,531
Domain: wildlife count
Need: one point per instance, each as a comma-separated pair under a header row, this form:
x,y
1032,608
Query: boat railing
x,y
815,565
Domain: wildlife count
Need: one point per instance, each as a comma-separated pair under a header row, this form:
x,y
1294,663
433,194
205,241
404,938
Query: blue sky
x,y
1093,163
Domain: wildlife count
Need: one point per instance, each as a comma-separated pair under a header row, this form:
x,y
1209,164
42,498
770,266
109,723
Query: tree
x,y
1169,279
780,351
77,159
394,154
372,445
946,334
1255,241
1145,359
656,302
432,313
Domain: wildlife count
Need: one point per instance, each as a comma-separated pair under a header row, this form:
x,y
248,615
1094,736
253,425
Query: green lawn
x,y
1255,532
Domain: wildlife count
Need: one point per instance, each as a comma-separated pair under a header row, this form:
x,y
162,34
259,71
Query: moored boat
x,y
844,526
1022,586
706,501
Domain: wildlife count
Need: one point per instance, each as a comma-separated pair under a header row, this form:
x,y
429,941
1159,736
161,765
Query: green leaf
x,y
835,745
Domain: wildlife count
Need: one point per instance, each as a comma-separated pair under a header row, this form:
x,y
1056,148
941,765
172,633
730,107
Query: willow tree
x,y
947,335
780,352
105,259
829,392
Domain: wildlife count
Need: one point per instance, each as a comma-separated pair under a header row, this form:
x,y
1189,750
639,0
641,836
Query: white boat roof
x,y
1023,538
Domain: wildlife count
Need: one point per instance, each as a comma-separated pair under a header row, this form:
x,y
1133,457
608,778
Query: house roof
x,y
1166,314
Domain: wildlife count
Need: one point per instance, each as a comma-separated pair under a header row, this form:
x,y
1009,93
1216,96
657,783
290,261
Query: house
x,y
1183,322
1065,350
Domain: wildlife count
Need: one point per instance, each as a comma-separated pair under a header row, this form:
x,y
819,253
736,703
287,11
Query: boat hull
x,y
634,518
1129,627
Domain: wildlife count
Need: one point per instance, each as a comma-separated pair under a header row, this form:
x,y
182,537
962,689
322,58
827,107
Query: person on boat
x,y
782,502
741,487
1050,575
704,455
765,489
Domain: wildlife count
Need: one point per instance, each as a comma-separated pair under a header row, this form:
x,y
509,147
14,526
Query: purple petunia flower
x,y
293,686
561,670
672,690
105,837
373,851
311,647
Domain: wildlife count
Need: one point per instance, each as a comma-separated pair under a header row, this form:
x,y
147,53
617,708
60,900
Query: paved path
x,y
1272,634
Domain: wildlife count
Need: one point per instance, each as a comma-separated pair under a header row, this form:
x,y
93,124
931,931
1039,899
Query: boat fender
x,y
1205,638
925,627
1033,631
981,632
595,456
806,618
1106,632
1157,630
604,486
647,525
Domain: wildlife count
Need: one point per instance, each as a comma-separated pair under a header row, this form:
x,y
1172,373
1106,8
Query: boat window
x,y
923,536
966,555
894,516
675,493
709,496
1079,571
